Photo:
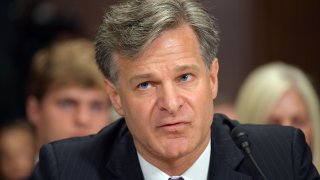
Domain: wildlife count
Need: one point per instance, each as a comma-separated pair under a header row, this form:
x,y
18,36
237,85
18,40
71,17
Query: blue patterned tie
x,y
175,178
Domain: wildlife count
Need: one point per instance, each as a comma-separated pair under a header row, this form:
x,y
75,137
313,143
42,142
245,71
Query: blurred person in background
x,y
225,105
66,95
279,93
17,150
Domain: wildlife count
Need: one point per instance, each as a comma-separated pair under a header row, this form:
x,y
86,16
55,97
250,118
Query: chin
x,y
175,154
176,148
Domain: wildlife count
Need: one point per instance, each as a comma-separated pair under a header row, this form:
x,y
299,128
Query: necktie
x,y
175,178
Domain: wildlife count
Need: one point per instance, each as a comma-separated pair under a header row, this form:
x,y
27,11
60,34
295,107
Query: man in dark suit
x,y
159,60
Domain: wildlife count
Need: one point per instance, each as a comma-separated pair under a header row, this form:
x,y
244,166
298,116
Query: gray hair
x,y
128,28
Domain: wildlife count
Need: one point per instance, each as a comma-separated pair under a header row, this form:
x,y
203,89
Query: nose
x,y
82,118
169,99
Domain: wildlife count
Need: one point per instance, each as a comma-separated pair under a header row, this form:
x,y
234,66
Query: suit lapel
x,y
225,155
124,163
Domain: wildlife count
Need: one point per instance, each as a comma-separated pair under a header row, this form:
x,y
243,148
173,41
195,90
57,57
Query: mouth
x,y
174,127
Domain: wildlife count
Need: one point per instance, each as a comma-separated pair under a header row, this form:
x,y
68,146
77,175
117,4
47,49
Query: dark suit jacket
x,y
281,153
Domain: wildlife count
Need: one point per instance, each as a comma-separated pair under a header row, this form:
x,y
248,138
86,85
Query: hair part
x,y
130,27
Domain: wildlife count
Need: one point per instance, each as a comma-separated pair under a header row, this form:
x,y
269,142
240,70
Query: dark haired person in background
x,y
159,60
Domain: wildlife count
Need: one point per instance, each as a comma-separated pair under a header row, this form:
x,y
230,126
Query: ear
x,y
33,110
214,77
114,96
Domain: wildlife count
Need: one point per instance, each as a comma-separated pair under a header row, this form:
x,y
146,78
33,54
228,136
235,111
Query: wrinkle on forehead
x,y
175,49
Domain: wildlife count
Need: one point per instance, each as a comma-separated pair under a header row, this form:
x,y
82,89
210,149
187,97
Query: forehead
x,y
12,135
174,47
290,103
77,92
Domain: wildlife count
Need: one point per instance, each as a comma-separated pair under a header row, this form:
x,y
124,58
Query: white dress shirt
x,y
198,171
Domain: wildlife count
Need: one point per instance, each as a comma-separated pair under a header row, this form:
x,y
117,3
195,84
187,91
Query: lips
x,y
173,127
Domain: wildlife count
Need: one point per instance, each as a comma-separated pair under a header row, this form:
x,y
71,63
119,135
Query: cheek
x,y
203,102
98,124
136,106
55,122
53,118
100,116
200,108
138,113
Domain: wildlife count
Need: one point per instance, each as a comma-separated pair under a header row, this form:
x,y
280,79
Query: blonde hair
x,y
67,63
263,88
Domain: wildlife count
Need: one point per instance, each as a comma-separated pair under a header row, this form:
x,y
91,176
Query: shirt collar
x,y
196,171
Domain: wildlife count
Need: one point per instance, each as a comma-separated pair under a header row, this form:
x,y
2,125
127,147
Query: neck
x,y
175,166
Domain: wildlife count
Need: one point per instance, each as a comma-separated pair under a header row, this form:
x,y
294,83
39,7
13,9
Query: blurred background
x,y
252,33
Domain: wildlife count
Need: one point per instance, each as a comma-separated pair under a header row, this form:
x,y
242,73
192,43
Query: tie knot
x,y
176,178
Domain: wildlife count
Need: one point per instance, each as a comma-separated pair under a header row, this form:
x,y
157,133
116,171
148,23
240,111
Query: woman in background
x,y
279,93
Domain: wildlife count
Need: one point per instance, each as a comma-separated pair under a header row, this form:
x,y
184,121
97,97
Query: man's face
x,y
70,112
166,96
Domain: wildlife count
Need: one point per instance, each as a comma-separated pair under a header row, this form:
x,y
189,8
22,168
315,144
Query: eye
x,y
298,121
97,106
144,85
185,77
66,103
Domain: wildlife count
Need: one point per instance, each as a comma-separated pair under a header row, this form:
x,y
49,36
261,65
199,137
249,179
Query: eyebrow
x,y
140,76
179,68
188,67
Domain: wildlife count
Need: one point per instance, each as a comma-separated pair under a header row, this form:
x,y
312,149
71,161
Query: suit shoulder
x,y
255,131
272,134
81,158
89,145
262,132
